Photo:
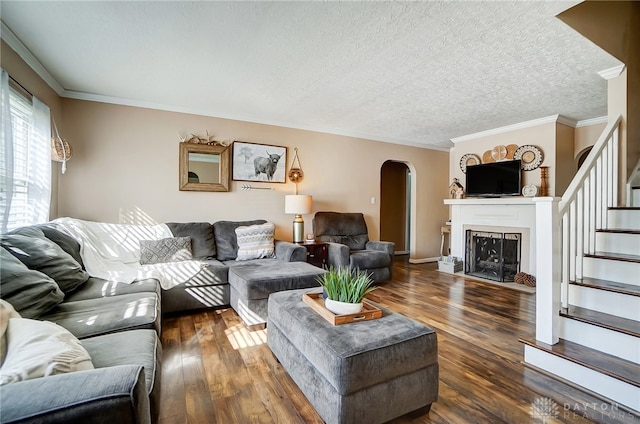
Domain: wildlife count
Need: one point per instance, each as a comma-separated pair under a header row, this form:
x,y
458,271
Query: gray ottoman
x,y
364,372
252,283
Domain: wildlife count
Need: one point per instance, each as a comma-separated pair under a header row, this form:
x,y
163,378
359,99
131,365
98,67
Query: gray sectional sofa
x,y
118,324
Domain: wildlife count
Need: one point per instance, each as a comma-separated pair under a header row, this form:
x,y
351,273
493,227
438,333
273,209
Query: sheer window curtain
x,y
25,186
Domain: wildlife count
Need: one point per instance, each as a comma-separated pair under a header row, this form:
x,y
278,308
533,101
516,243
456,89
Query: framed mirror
x,y
204,167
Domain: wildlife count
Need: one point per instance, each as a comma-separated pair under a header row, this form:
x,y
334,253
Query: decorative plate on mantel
x,y
468,160
530,156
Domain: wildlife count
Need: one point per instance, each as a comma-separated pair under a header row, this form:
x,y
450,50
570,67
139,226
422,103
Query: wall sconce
x,y
298,204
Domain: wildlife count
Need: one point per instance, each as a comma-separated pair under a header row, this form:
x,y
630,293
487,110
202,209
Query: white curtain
x,y
39,163
6,154
25,156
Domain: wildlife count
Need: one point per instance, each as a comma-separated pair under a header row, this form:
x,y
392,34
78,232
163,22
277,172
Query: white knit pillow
x,y
40,348
256,241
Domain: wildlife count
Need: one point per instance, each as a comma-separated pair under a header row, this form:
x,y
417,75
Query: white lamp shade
x,y
297,204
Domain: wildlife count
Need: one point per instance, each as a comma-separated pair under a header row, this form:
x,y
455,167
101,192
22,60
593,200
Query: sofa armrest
x,y
382,246
338,255
103,395
290,252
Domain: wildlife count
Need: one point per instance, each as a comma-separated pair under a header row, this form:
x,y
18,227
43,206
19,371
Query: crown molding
x,y
612,72
592,121
14,42
522,125
566,121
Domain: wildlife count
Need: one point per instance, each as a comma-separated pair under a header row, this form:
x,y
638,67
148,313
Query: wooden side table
x,y
317,253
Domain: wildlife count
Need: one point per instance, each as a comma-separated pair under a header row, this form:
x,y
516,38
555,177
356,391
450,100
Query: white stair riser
x,y
624,219
618,243
606,269
618,304
617,344
611,388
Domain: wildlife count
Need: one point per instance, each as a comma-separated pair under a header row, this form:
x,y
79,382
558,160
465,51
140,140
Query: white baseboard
x,y
424,260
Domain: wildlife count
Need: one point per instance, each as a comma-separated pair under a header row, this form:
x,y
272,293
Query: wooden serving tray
x,y
316,302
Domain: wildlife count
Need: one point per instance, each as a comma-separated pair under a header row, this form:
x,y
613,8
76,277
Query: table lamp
x,y
297,204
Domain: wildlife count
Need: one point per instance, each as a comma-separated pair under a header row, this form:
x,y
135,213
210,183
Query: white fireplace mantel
x,y
517,214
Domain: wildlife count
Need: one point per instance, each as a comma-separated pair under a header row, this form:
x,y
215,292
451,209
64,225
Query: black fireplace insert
x,y
492,255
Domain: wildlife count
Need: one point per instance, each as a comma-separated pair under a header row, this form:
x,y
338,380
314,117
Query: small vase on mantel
x,y
543,181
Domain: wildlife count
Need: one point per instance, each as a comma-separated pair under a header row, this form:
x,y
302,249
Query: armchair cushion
x,y
344,228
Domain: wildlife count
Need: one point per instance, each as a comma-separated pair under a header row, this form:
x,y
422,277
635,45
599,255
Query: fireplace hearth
x,y
492,255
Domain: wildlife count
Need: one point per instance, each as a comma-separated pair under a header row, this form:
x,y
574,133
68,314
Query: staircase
x,y
591,334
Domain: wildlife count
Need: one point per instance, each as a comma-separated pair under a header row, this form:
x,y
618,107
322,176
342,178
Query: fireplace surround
x,y
505,215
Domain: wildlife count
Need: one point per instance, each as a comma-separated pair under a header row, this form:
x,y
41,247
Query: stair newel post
x,y
548,256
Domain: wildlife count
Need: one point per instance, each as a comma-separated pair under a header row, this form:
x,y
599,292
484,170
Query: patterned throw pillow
x,y
255,241
173,249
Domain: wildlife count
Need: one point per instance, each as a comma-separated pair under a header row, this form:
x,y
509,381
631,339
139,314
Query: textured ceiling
x,y
417,73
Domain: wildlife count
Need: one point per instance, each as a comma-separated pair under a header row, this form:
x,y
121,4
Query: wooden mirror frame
x,y
225,156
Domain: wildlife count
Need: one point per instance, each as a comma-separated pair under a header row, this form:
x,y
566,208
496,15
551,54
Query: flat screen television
x,y
495,179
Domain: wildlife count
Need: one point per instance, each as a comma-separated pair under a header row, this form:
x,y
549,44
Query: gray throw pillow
x,y
173,249
62,239
30,292
226,240
37,252
203,244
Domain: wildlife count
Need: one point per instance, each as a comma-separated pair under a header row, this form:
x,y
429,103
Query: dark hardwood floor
x,y
216,371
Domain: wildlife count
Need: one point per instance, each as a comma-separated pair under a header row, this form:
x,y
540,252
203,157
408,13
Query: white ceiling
x,y
416,73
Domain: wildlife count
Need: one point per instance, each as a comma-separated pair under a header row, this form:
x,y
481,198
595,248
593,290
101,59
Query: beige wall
x,y
125,169
617,105
543,136
565,165
586,137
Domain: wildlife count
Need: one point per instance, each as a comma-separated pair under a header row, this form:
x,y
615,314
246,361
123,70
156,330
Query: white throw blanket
x,y
112,252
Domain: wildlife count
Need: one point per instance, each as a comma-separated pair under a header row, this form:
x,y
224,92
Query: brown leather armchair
x,y
349,244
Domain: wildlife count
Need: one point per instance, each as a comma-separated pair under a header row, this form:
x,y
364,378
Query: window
x,y
25,168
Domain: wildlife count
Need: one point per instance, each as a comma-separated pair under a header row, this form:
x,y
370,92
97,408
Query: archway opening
x,y
395,205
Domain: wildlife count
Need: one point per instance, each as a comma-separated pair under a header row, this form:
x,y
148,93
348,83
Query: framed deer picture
x,y
259,162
